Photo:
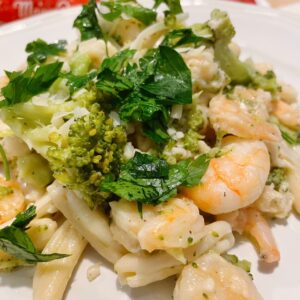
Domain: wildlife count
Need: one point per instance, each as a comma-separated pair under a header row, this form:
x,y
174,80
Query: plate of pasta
x,y
150,151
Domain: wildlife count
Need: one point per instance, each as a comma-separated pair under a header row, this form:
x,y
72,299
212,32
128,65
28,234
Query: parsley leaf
x,y
171,79
149,180
77,82
24,218
87,22
23,86
197,35
173,5
15,241
131,9
40,50
145,91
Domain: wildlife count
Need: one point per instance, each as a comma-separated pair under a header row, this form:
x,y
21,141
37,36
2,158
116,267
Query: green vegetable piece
x,y
93,149
171,79
276,177
15,241
239,72
290,136
196,36
23,86
196,170
24,218
5,191
173,5
87,22
39,50
156,184
5,163
35,170
143,92
114,84
131,9
147,166
80,64
77,82
117,62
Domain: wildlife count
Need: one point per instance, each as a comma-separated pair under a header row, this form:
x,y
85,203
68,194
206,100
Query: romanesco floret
x,y
93,149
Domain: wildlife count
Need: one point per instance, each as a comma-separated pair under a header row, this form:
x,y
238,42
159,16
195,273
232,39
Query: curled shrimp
x,y
238,118
174,224
234,180
251,221
12,200
212,277
287,114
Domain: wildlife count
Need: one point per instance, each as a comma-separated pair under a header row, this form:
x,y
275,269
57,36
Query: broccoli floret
x,y
239,72
93,149
276,177
191,141
195,119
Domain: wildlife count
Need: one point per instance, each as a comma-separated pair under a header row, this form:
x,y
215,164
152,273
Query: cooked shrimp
x,y
288,93
11,201
251,221
235,117
287,114
174,224
234,180
212,277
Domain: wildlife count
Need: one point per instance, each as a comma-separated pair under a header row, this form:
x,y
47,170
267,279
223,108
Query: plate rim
x,y
32,21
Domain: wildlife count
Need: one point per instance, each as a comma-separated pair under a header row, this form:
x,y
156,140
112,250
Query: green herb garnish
x,y
23,86
15,241
39,50
150,180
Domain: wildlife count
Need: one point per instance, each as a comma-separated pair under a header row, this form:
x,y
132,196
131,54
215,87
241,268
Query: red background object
x,y
17,9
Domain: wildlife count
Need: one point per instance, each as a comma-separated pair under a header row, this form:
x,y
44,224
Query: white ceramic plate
x,y
267,35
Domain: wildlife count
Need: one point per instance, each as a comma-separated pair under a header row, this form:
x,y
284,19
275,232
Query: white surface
x,y
267,35
293,8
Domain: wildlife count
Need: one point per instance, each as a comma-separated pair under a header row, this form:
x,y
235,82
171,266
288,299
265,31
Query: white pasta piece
x,y
212,277
92,224
217,236
93,272
125,238
145,34
275,203
141,269
41,231
45,205
14,146
51,278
